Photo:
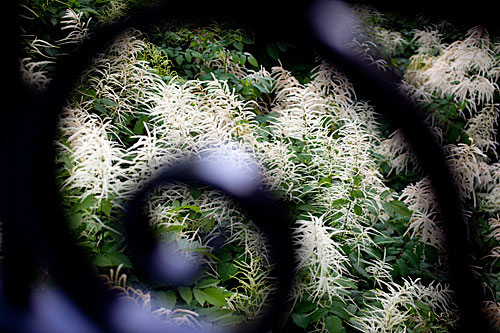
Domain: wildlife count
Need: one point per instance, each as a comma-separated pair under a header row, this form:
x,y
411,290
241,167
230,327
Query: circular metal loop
x,y
30,197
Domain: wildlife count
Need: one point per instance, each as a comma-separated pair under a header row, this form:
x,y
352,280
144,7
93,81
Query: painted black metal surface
x,y
34,229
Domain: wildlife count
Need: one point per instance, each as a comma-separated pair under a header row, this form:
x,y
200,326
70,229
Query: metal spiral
x,y
34,227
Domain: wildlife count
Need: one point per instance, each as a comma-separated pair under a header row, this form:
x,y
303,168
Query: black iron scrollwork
x,y
34,227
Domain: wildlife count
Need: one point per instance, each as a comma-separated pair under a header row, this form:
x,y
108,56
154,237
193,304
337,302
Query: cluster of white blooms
x,y
466,69
481,128
79,29
33,72
321,144
399,304
428,40
97,161
323,259
114,10
469,167
423,222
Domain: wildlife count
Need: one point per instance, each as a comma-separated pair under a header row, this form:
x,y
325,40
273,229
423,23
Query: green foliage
x,y
236,286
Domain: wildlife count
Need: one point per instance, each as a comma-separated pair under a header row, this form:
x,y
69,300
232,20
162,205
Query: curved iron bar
x,y
30,199
268,215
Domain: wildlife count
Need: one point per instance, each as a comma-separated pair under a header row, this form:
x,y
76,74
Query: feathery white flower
x,y
469,168
490,199
421,201
97,161
397,307
428,40
322,259
481,128
465,69
79,30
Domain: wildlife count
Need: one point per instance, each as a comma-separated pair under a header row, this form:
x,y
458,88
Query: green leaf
x,y
358,210
401,208
252,61
106,207
338,308
336,216
186,294
238,46
100,108
188,57
199,296
402,266
112,259
281,46
411,258
208,282
300,320
339,202
167,299
102,260
226,270
318,314
305,306
196,54
383,240
215,296
306,207
243,60
333,324
179,59
75,220
193,208
88,202
174,228
272,51
431,253
139,127
107,102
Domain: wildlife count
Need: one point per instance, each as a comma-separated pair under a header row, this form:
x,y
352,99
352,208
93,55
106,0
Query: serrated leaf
x,y
215,296
333,324
186,294
167,299
100,108
196,54
199,296
75,220
300,320
402,266
338,308
383,240
304,307
208,282
411,258
102,260
400,208
318,314
107,102
226,270
89,201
